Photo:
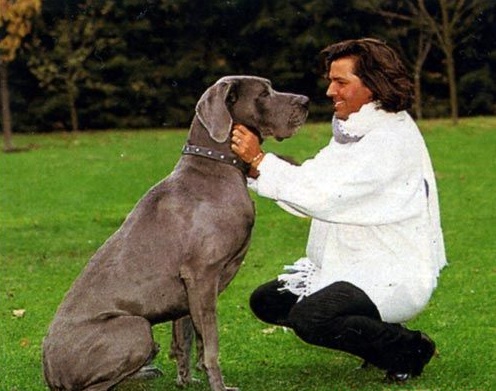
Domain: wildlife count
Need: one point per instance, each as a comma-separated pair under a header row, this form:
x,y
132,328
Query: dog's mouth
x,y
296,120
290,131
293,124
297,117
296,123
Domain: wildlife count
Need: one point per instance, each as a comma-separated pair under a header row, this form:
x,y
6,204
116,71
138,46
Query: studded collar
x,y
227,158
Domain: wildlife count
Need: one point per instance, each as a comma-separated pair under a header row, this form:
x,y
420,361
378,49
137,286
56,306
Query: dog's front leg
x,y
202,299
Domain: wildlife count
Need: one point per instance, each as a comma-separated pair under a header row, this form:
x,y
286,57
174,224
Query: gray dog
x,y
177,250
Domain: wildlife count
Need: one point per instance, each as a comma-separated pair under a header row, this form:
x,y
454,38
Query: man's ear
x,y
212,109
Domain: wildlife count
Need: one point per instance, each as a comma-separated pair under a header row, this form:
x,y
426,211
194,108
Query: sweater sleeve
x,y
377,180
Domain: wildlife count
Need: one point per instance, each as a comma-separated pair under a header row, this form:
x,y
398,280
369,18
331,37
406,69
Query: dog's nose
x,y
303,100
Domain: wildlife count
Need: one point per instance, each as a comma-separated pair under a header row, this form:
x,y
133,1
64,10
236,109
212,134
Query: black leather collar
x,y
227,158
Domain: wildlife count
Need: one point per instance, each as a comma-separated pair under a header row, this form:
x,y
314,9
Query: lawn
x,y
63,198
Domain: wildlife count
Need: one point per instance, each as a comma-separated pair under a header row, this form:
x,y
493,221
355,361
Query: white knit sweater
x,y
374,209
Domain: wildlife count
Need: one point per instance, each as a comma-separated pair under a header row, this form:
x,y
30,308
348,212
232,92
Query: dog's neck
x,y
200,144
223,157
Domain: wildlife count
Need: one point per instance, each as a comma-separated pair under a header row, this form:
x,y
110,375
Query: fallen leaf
x,y
19,313
24,343
269,330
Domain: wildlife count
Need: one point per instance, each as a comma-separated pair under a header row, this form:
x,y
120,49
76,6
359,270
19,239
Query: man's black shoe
x,y
419,359
424,353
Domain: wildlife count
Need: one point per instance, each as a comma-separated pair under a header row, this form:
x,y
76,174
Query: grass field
x,y
63,198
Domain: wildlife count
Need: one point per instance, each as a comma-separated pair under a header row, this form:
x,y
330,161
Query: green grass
x,y
63,198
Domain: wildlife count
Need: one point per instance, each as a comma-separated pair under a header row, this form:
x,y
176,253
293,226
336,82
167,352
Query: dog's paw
x,y
146,372
184,382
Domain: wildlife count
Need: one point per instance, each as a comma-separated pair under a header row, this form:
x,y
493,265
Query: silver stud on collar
x,y
216,155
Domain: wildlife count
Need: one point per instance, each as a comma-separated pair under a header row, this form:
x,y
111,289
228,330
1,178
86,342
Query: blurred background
x,y
117,64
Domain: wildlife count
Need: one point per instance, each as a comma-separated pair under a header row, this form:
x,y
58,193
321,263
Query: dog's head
x,y
251,101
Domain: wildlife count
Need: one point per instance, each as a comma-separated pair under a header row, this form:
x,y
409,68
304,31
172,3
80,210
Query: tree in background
x,y
60,63
451,23
145,63
15,23
407,25
282,41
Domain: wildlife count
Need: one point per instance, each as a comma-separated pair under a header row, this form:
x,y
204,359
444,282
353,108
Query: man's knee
x,y
272,305
257,304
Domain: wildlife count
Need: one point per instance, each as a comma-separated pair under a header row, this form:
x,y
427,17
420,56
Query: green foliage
x,y
15,23
62,200
63,67
136,63
476,91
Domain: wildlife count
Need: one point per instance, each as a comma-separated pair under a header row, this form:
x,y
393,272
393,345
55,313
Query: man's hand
x,y
246,145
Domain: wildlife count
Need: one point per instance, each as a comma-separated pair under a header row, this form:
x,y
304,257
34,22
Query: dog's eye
x,y
264,94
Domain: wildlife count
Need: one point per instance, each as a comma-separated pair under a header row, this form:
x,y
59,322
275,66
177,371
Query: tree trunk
x,y
5,101
423,48
448,47
450,65
418,94
73,109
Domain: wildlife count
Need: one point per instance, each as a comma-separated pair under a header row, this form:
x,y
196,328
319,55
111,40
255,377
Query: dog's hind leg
x,y
98,354
180,349
129,347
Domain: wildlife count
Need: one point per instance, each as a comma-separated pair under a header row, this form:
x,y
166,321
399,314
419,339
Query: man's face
x,y
346,89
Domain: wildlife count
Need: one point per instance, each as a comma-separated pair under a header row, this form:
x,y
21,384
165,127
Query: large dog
x,y
176,251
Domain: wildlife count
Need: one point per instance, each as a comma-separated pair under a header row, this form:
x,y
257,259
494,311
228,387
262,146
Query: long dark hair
x,y
379,68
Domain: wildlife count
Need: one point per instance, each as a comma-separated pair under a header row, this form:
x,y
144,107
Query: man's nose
x,y
331,91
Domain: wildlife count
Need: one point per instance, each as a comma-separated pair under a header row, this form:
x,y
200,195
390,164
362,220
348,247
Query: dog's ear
x,y
212,109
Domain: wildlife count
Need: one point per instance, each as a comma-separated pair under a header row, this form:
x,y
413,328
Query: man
x,y
375,246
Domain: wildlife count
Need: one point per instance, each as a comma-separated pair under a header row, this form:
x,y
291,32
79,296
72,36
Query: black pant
x,y
340,316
